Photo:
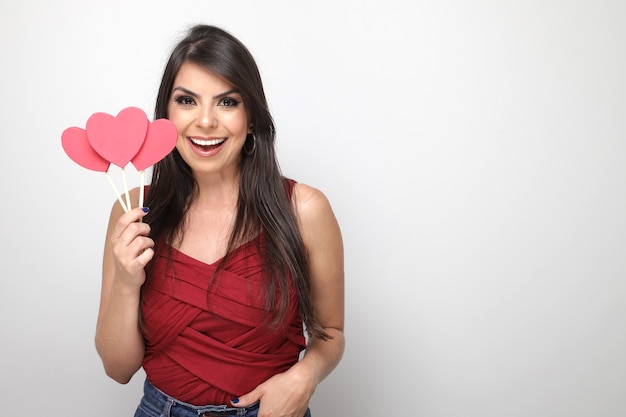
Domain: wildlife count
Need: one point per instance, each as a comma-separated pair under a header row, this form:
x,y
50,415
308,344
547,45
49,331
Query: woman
x,y
210,286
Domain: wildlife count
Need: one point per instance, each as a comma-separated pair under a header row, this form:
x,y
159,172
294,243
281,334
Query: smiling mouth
x,y
207,145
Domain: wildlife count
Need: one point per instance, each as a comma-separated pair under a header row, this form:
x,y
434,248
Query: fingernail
x,y
234,400
145,209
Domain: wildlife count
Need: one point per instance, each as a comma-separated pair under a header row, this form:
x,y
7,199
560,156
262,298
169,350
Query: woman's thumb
x,y
246,400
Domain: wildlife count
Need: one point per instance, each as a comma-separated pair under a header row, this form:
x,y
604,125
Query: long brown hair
x,y
263,203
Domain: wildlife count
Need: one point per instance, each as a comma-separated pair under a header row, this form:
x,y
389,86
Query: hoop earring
x,y
246,148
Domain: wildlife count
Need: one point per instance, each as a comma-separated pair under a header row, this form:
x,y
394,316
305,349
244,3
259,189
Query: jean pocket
x,y
145,409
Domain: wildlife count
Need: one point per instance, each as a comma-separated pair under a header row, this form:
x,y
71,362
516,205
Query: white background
x,y
474,153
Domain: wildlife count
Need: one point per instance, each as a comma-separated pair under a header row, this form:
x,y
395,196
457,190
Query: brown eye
x,y
228,102
184,100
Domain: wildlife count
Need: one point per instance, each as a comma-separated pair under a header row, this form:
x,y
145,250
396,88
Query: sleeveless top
x,y
208,338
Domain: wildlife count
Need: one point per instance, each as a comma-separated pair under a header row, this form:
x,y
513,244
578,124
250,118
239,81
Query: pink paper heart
x,y
77,147
160,140
118,139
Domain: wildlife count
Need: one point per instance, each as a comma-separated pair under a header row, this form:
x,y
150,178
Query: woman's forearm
x,y
119,341
322,356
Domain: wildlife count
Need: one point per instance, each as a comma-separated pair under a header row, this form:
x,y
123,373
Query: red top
x,y
208,348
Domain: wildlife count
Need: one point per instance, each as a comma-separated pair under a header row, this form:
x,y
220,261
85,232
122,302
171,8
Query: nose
x,y
206,117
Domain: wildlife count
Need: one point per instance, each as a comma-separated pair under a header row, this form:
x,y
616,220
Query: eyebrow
x,y
220,95
227,92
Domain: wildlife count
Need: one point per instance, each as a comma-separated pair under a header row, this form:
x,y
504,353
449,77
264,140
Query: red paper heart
x,y
118,139
160,140
77,147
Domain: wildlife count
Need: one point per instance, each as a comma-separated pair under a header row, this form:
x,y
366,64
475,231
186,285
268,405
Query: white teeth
x,y
201,142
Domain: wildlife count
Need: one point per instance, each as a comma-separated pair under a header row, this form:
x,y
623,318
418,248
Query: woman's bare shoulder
x,y
314,212
307,198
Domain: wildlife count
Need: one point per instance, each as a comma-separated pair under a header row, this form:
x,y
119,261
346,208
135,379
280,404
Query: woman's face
x,y
211,120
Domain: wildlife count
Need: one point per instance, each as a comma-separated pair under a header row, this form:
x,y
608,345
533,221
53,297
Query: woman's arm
x,y
288,394
118,338
322,239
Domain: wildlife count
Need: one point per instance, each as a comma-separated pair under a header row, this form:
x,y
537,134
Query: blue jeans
x,y
158,404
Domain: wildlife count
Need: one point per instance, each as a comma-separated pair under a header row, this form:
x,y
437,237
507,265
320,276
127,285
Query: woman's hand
x,y
131,248
283,395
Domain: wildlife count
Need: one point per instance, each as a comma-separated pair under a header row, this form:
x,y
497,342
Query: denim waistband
x,y
171,407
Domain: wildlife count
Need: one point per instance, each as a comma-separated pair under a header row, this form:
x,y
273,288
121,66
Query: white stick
x,y
117,193
142,180
126,188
